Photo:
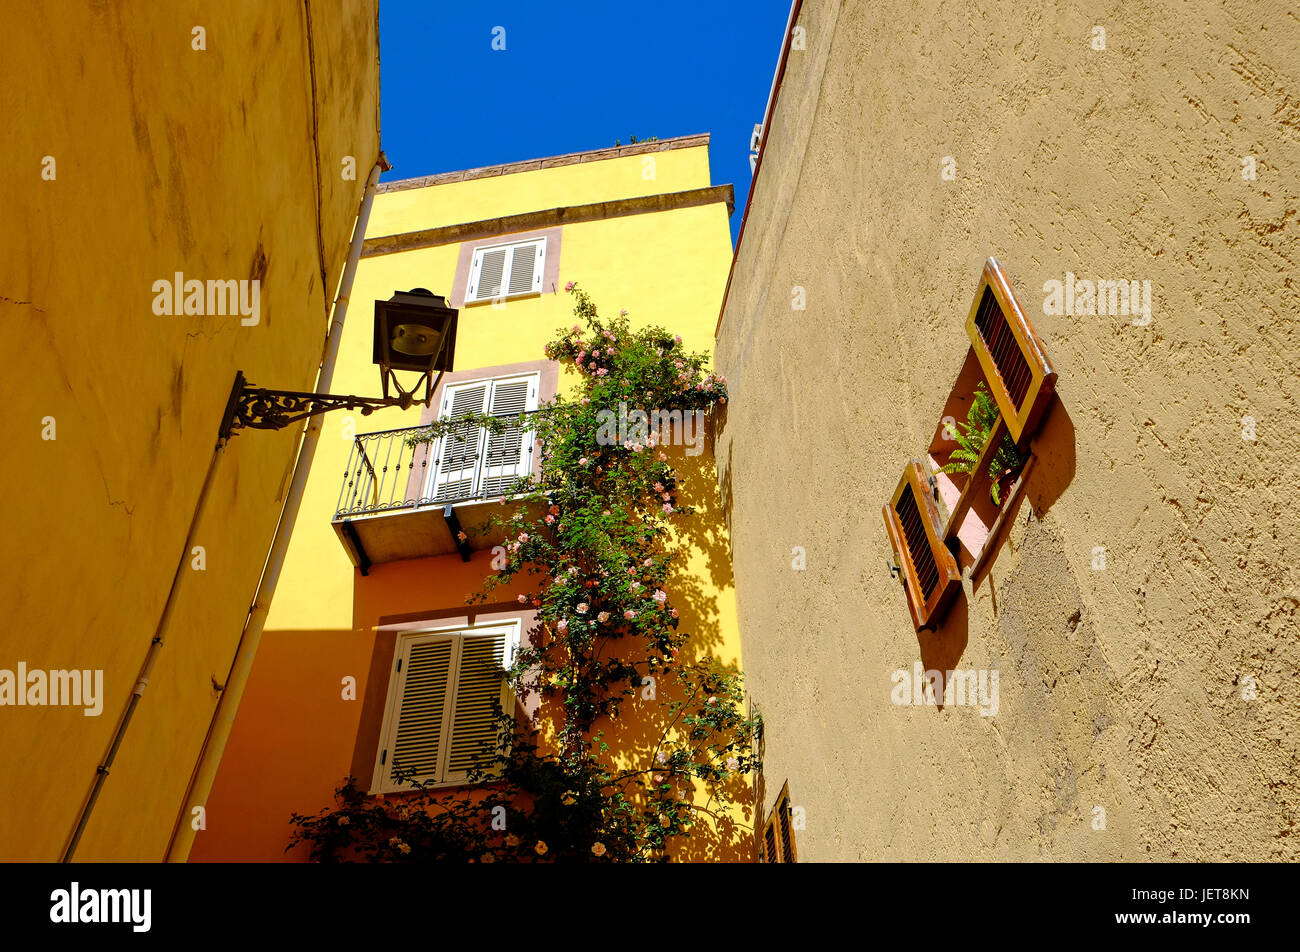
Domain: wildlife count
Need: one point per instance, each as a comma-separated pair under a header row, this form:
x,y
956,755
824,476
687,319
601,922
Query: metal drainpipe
x,y
223,717
155,647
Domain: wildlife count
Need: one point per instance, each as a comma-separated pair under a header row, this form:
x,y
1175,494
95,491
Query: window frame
x,y
927,611
381,781
1002,338
476,268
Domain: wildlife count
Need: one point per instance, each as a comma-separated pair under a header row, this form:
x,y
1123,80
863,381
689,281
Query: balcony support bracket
x,y
453,526
350,531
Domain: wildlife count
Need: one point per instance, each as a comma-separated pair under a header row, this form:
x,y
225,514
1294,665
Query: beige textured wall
x,y
1118,688
223,163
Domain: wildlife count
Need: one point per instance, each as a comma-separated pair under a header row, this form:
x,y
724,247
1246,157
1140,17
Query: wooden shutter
x,y
771,853
487,273
527,264
441,716
481,692
1019,375
778,833
460,450
418,736
509,454
916,532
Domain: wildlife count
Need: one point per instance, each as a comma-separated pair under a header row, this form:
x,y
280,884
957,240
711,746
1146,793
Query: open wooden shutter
x,y
509,454
459,450
916,532
778,833
1019,375
418,738
481,692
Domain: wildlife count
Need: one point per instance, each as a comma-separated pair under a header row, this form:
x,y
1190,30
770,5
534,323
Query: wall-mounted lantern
x,y
415,331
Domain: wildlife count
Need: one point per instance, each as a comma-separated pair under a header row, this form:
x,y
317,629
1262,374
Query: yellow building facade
x,y
640,228
145,146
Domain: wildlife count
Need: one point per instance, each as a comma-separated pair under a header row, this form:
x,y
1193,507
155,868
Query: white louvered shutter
x,y
461,449
481,692
509,454
527,264
507,270
418,738
486,273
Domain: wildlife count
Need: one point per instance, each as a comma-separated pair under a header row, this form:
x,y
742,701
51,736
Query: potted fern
x,y
971,437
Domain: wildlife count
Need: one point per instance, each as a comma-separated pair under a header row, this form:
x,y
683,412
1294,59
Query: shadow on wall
x,y
695,590
1054,449
716,429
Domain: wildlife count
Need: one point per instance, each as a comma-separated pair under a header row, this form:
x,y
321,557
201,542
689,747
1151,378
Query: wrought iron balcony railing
x,y
386,472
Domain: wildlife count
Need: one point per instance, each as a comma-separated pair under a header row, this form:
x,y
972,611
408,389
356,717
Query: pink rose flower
x,y
523,599
629,614
562,626
582,608
602,617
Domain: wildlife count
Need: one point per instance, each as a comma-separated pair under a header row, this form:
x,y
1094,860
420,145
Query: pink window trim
x,y
550,277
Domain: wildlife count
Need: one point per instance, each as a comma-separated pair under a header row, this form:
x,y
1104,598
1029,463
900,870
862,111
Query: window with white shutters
x,y
473,463
508,270
440,722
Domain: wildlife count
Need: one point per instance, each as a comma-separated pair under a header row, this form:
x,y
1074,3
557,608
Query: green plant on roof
x,y
971,438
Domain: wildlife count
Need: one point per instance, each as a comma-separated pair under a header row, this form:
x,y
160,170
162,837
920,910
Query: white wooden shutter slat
x,y
480,692
486,283
506,457
523,262
461,448
421,719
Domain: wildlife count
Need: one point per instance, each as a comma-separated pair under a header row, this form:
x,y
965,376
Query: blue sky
x,y
573,76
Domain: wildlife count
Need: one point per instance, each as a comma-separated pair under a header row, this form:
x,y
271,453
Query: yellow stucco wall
x,y
218,164
1124,688
665,267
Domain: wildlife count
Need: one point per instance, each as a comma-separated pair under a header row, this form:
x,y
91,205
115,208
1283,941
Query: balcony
x,y
404,501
